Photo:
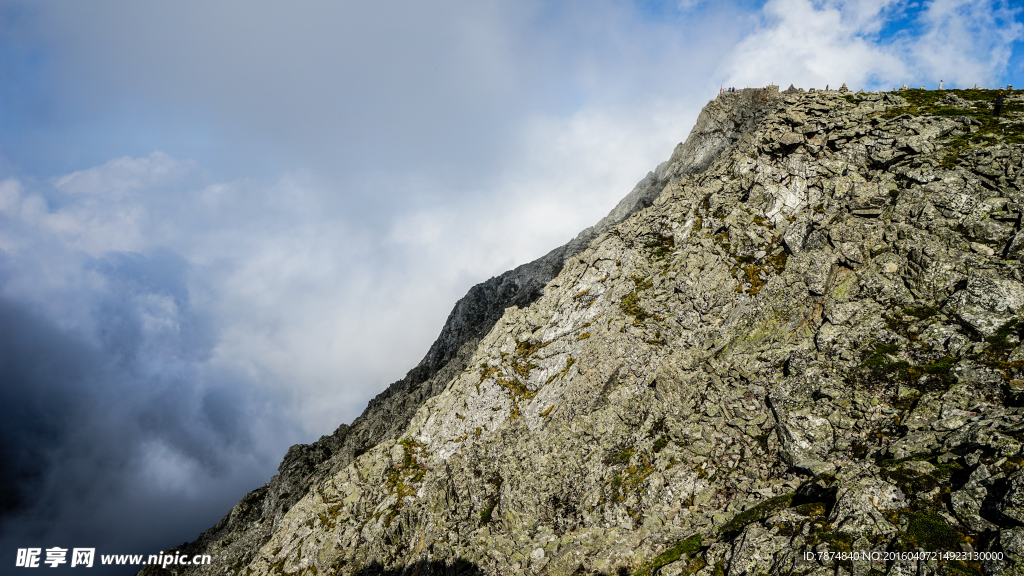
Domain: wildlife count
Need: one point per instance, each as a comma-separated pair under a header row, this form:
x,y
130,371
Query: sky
x,y
225,226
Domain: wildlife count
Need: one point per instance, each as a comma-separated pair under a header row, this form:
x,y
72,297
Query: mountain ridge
x,y
759,263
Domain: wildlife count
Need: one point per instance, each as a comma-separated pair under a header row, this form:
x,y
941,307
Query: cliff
x,y
798,335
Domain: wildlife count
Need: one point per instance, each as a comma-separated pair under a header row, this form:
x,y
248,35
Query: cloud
x,y
120,177
112,400
876,44
334,88
91,416
966,42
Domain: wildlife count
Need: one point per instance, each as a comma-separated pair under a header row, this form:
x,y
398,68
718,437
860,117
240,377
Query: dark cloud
x,y
36,360
127,423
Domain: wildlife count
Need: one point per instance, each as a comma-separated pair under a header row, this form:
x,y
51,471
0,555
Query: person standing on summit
x,y
999,104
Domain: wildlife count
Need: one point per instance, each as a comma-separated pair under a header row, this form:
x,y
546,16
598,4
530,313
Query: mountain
x,y
795,344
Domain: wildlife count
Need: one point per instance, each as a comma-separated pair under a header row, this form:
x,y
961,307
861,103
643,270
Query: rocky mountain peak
x,y
799,337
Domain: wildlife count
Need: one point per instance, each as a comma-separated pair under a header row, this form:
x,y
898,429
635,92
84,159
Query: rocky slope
x,y
800,335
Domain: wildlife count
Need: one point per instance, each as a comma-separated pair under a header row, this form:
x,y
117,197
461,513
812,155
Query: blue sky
x,y
225,226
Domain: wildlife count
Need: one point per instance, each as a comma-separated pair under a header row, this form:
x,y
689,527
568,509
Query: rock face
x,y
799,336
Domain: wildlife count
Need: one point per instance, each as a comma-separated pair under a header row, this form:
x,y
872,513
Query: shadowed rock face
x,y
800,334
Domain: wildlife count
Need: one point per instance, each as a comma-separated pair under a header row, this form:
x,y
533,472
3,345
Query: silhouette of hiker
x,y
999,104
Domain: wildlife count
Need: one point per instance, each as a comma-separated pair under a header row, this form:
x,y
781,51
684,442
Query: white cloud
x,y
965,42
813,43
122,176
10,195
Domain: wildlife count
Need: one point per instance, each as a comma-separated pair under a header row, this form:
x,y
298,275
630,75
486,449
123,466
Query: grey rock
x,y
967,502
862,500
987,302
1012,504
1012,543
805,437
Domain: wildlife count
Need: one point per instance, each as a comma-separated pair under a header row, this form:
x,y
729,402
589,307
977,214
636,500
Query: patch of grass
x,y
630,303
880,365
951,111
929,532
946,469
927,103
954,149
688,548
698,227
493,500
940,367
748,271
523,368
811,509
525,348
329,518
585,297
837,541
520,367
911,482
516,389
404,479
485,514
732,528
660,444
964,568
662,246
618,456
880,361
998,343
486,371
921,312
641,283
635,475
